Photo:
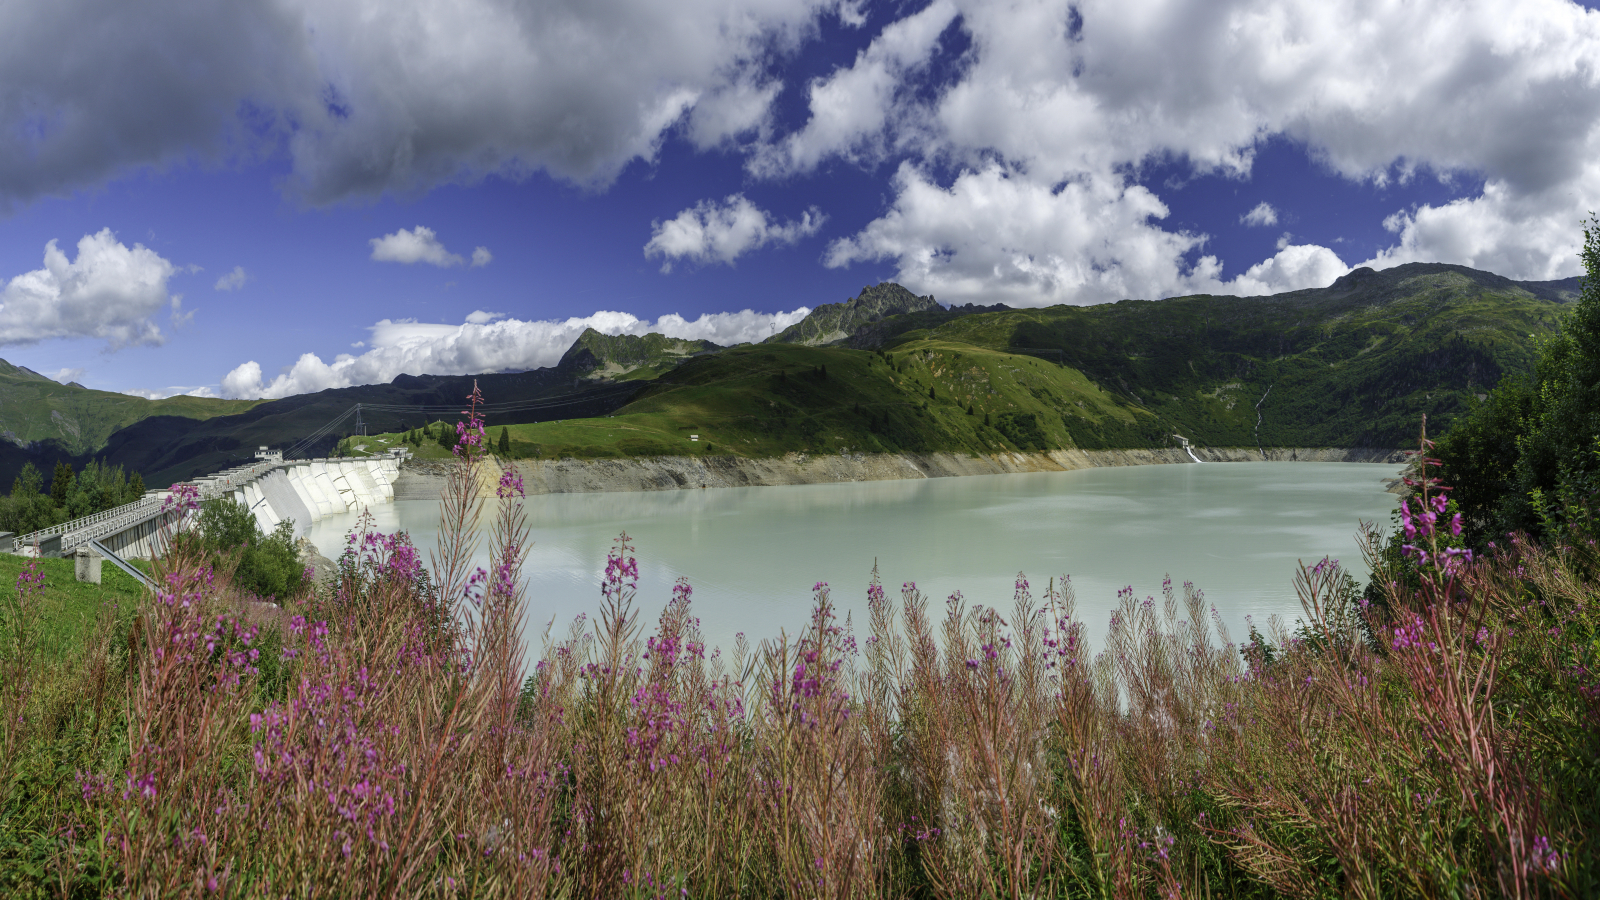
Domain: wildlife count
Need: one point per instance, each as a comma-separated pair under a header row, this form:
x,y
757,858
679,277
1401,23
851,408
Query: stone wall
x,y
423,479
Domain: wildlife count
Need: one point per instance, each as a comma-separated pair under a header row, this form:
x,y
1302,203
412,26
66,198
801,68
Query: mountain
x,y
38,414
627,356
166,449
832,322
1353,364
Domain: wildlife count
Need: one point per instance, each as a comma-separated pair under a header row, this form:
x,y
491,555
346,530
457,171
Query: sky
x,y
261,198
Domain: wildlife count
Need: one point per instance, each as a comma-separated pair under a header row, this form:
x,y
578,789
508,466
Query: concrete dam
x,y
273,489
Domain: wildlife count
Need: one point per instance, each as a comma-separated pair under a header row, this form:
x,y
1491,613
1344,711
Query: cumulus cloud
x,y
489,344
65,376
992,234
421,95
110,292
1069,99
721,232
232,281
852,109
481,257
419,244
1261,215
202,391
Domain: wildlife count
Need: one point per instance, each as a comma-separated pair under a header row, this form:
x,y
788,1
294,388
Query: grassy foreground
x,y
384,738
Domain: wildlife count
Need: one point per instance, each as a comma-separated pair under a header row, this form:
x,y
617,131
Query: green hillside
x,y
770,399
627,357
34,410
1353,364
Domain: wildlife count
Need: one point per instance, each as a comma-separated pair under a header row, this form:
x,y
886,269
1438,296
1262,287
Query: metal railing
x,y
213,486
145,506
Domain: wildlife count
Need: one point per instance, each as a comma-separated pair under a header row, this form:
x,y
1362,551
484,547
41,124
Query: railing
x,y
145,506
213,486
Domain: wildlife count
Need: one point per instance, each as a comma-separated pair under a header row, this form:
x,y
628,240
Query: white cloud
x,y
1262,215
852,108
414,246
1292,268
710,232
202,391
409,347
232,281
179,317
1004,237
67,375
481,256
479,317
110,292
1075,96
421,95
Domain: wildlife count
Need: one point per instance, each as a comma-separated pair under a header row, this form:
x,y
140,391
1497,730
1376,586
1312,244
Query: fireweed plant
x,y
383,736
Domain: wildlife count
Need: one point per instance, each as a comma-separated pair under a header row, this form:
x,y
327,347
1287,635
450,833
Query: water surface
x,y
753,554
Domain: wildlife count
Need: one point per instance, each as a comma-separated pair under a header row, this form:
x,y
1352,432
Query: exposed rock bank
x,y
421,479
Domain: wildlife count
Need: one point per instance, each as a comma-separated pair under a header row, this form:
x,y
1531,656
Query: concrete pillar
x,y
359,475
86,565
286,504
323,472
306,486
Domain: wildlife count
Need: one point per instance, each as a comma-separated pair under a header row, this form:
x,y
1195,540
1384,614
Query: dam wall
x,y
308,491
303,491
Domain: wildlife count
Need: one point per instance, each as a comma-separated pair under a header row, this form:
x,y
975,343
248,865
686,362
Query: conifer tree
x,y
60,483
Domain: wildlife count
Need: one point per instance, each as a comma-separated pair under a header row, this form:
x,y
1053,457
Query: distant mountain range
x,y
1352,364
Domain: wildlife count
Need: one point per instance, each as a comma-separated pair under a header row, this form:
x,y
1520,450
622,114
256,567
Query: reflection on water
x,y
753,554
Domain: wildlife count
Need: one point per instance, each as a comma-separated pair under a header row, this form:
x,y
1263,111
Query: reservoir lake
x,y
753,554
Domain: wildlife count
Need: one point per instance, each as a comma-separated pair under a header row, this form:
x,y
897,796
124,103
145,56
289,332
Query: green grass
x,y
771,399
68,608
81,420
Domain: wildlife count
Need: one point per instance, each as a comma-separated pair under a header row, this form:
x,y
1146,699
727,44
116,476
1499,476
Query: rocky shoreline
x,y
423,479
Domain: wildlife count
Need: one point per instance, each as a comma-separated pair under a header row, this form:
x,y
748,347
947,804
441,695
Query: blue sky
x,y
268,197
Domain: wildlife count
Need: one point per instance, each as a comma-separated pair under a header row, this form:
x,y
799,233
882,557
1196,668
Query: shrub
x,y
267,565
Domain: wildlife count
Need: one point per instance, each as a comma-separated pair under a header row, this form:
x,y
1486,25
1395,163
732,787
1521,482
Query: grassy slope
x,y
35,409
1345,368
68,608
1351,365
769,399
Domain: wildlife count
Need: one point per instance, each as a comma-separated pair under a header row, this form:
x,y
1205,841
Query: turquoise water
x,y
753,554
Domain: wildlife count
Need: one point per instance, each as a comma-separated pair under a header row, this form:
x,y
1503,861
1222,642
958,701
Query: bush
x,y
1529,458
269,565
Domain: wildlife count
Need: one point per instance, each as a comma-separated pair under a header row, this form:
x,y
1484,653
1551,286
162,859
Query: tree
x,y
269,565
1529,456
504,445
60,483
29,482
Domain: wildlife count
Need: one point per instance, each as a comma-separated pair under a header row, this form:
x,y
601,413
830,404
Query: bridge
x,y
272,488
